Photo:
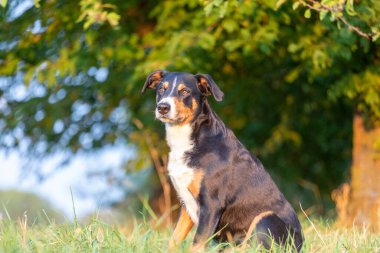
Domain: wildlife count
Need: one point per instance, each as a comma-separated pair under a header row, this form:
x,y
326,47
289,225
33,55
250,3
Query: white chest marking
x,y
178,138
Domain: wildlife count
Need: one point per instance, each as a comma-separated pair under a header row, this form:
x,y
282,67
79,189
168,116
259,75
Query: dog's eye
x,y
161,89
184,92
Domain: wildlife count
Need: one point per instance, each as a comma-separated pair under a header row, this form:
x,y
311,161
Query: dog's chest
x,y
178,138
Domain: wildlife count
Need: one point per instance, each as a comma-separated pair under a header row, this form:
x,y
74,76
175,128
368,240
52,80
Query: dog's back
x,y
239,182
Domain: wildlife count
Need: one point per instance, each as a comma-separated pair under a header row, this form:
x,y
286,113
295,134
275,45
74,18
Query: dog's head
x,y
179,95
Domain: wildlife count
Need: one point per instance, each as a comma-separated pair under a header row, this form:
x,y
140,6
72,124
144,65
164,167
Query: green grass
x,y
140,237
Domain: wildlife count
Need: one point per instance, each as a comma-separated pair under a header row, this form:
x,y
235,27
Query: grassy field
x,y
97,236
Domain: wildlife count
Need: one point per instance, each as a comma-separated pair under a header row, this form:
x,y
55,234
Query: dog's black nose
x,y
163,108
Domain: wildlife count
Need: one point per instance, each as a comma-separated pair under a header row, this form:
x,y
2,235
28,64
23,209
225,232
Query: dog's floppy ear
x,y
208,86
153,79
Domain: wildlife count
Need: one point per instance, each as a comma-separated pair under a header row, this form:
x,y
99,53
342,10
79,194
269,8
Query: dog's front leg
x,y
209,217
182,228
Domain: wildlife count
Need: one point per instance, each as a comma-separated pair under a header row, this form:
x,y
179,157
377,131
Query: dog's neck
x,y
208,123
178,137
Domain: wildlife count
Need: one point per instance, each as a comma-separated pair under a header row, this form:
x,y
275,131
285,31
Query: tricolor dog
x,y
224,190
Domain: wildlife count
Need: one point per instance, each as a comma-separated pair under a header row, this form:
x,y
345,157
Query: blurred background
x,y
302,92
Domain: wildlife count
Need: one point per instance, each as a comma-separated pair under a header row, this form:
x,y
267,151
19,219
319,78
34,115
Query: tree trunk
x,y
358,203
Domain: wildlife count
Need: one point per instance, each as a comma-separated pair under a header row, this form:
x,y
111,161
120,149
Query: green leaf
x,y
322,14
264,48
3,3
36,3
279,3
113,18
292,75
208,8
223,10
230,25
296,5
307,13
206,41
332,17
28,76
350,8
375,37
87,24
232,45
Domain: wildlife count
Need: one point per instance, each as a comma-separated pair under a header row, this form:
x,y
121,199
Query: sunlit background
x,y
82,176
301,83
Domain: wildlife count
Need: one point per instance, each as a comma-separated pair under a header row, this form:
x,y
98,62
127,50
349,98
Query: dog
x,y
224,190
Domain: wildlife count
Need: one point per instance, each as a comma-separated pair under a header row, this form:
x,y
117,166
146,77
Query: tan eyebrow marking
x,y
181,86
165,85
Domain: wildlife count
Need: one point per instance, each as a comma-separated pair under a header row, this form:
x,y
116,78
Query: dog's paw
x,y
196,248
172,246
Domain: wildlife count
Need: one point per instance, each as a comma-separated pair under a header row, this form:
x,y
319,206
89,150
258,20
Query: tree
x,y
285,79
358,201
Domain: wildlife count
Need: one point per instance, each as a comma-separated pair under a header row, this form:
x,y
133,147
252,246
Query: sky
x,y
88,193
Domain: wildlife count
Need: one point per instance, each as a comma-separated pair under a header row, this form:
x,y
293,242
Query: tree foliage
x,y
71,73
